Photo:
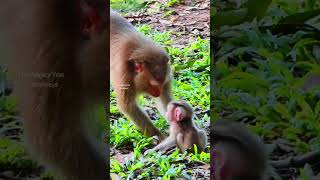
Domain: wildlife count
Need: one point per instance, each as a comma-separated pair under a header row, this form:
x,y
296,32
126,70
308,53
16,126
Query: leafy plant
x,y
126,6
191,65
262,70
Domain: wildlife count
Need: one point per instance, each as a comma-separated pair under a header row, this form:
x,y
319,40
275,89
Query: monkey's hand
x,y
148,151
167,143
155,140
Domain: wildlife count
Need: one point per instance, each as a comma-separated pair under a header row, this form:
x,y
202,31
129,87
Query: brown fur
x,y
184,133
237,154
187,133
127,48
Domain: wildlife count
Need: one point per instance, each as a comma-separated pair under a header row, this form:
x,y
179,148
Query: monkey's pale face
x,y
152,68
151,78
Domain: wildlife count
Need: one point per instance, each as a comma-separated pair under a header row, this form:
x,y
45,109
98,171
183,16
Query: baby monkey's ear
x,y
178,114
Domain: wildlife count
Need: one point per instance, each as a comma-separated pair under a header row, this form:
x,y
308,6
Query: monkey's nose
x,y
160,79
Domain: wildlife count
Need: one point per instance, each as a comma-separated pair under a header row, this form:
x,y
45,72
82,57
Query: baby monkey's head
x,y
179,111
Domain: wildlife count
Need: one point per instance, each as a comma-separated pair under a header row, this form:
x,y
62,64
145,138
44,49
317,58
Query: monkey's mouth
x,y
155,91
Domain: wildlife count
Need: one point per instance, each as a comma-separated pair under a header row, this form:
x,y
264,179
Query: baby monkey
x,y
183,132
237,153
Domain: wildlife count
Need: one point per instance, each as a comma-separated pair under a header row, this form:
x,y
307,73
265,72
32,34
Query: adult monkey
x,y
44,37
138,65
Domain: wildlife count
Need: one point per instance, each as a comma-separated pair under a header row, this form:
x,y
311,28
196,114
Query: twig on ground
x,y
298,161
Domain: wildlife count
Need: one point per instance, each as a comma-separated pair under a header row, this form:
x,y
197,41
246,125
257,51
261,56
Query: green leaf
x,y
257,8
232,17
317,109
282,110
300,17
136,166
306,110
244,81
307,173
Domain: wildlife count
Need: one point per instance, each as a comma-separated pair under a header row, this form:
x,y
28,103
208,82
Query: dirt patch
x,y
186,21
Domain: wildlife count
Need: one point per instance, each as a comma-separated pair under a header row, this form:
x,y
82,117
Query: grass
x,y
13,156
191,83
125,6
12,153
259,77
191,72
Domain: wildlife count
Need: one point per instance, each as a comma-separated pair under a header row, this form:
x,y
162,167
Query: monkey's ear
x,y
138,68
92,21
178,114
